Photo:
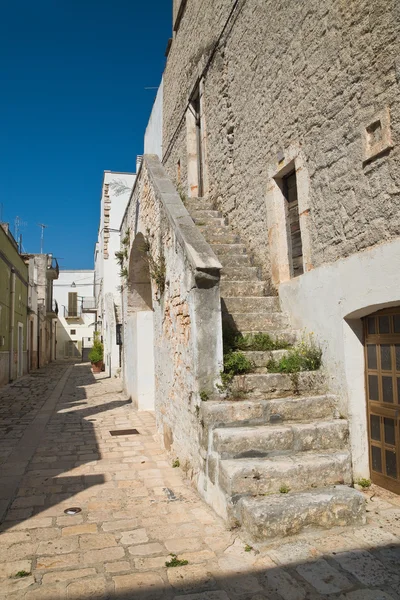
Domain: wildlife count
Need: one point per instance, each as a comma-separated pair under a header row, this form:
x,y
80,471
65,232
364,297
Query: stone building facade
x,y
280,133
116,189
42,309
13,309
310,88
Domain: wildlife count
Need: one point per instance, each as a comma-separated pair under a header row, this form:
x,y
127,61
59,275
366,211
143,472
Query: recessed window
x,y
377,136
289,188
72,331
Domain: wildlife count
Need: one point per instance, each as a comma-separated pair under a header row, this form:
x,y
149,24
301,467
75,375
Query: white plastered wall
x,y
330,301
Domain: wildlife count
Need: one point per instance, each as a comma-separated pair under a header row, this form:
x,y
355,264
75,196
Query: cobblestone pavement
x,y
136,510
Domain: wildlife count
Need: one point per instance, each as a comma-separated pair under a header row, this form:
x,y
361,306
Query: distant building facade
x,y
13,309
76,323
42,309
115,194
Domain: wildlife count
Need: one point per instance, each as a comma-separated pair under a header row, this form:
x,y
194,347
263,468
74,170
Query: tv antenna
x,y
43,227
17,225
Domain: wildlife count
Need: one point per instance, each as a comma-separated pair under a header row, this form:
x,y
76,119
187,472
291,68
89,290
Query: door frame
x,y
380,408
20,350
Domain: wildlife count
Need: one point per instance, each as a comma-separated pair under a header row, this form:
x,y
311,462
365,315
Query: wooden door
x,y
382,366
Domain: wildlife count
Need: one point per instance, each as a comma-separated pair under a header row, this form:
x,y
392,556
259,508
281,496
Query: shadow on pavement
x,y
69,442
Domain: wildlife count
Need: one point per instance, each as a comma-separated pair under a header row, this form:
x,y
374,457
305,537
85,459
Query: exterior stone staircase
x,y
277,456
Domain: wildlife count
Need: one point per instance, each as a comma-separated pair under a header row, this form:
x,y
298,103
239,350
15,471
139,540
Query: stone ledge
x,y
197,250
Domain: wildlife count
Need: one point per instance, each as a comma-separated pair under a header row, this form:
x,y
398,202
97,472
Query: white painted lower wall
x,y
330,301
139,359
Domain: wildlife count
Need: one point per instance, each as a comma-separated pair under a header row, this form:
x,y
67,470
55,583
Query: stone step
x,y
239,274
214,236
256,476
275,385
208,221
261,358
259,412
205,214
288,336
254,322
250,304
234,289
262,440
231,249
279,515
192,204
236,260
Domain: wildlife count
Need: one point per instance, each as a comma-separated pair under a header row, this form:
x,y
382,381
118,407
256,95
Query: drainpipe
x,y
12,311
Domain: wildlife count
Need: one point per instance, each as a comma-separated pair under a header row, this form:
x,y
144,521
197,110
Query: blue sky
x,y
73,104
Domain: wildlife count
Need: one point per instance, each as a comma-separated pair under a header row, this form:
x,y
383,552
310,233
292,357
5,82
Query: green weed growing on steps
x,y
305,356
251,341
235,363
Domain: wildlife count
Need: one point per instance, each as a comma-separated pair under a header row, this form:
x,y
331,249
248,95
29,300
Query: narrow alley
x,y
135,512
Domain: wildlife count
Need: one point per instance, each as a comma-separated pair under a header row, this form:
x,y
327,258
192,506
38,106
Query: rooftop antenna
x,y
43,227
17,224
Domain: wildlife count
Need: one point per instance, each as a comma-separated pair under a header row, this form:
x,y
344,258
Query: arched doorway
x,y
382,365
139,339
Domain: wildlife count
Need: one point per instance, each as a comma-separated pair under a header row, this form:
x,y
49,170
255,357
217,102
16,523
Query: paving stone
x,y
95,587
126,525
151,563
9,569
366,568
137,536
8,586
67,575
58,562
368,595
324,578
61,546
146,549
17,551
218,595
117,567
191,578
293,552
149,583
183,544
97,542
79,529
92,557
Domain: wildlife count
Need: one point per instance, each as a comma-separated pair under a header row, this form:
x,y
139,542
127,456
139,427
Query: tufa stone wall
x,y
184,305
313,74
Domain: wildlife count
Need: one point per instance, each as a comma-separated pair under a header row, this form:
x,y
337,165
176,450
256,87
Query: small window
x,y
289,183
72,331
72,304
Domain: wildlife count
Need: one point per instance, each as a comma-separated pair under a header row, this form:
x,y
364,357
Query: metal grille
x,y
124,432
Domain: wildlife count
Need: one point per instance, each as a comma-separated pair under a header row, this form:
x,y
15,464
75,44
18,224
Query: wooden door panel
x,y
382,366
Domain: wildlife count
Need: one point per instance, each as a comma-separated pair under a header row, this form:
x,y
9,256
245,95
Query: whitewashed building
x,y
115,193
76,322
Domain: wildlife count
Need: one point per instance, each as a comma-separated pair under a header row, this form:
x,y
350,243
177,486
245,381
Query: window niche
x,y
288,212
376,136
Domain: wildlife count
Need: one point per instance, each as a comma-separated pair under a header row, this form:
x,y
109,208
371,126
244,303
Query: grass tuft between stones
x,y
176,562
21,574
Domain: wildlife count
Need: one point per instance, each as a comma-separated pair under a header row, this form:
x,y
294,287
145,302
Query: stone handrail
x,y
203,260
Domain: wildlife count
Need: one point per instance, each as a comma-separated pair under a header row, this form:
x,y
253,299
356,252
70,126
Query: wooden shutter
x,y
295,242
72,304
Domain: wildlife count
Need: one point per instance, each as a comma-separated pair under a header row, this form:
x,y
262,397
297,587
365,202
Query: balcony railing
x,y
72,314
88,304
